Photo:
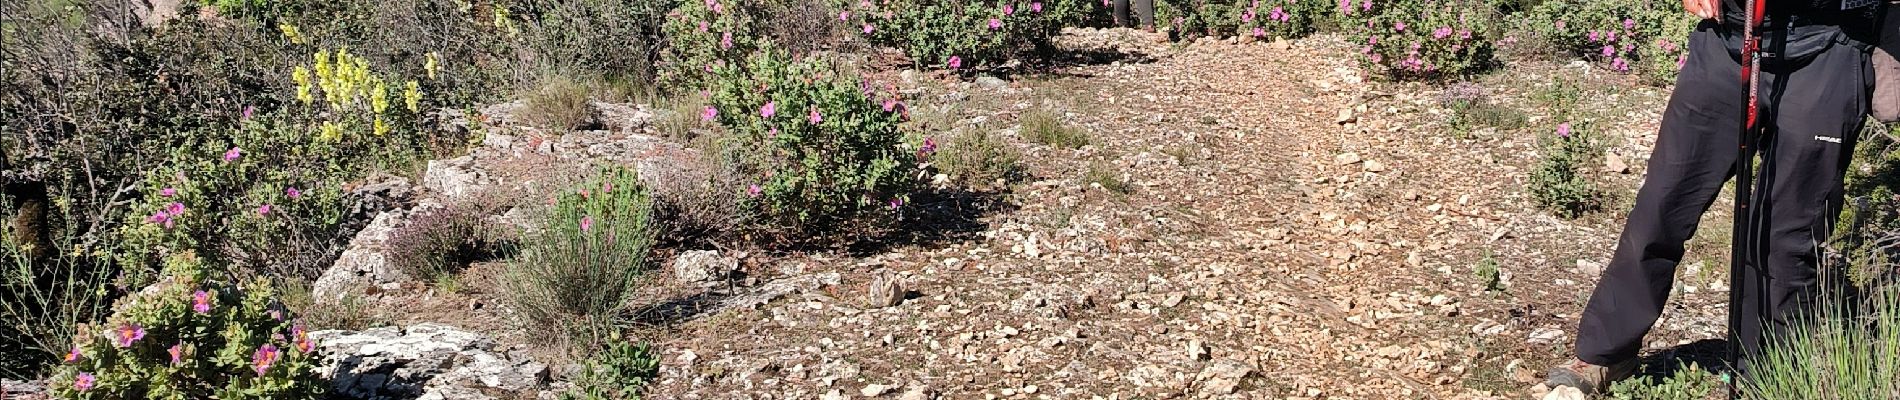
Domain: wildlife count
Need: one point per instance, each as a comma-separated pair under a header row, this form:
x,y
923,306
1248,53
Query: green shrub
x,y
1104,176
1560,183
961,34
1257,18
574,273
1847,349
814,149
977,159
1046,127
1689,383
1870,218
616,372
559,103
703,36
1423,39
1635,36
1471,108
612,40
1488,273
194,336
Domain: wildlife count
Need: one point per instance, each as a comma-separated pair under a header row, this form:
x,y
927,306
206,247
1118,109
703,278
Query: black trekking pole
x,y
1742,251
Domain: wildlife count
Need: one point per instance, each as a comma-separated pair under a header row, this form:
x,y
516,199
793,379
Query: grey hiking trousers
x,y
1813,110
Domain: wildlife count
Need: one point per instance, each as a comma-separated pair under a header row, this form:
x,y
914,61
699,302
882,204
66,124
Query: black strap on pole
x,y
1741,253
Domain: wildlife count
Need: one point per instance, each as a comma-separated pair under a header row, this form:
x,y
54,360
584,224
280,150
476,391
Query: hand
x,y
1706,9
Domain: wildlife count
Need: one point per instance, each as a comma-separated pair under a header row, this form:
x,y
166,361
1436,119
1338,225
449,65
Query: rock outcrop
x,y
424,361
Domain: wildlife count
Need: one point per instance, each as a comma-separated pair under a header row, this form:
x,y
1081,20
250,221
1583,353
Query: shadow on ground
x,y
1709,354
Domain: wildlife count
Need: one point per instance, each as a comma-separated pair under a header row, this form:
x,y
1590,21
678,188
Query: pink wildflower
x,y
770,109
264,358
1561,25
1009,9
1594,36
178,353
587,223
83,381
754,191
1035,6
702,26
1619,65
956,62
248,110
1681,59
896,203
1258,32
233,154
1400,26
1441,33
996,24
1563,129
890,105
1609,50
73,356
710,114
201,302
815,117
175,209
293,193
867,29
930,145
1365,5
128,334
726,42
1629,23
263,209
844,15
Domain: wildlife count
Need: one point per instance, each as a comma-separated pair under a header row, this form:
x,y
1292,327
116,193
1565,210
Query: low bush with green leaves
x,y
1644,37
1046,127
1561,182
574,272
1691,382
616,372
196,335
965,34
816,150
703,36
1422,39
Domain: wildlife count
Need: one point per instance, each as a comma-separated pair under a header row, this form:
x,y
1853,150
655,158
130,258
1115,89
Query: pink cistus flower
x,y
1365,5
201,302
264,358
178,353
301,338
167,192
233,154
1345,6
248,110
956,62
1609,51
1279,14
1441,33
996,24
726,42
1400,26
263,209
867,29
703,27
710,114
127,334
816,117
770,109
930,146
891,104
844,15
175,209
1629,23
73,356
587,223
1258,32
1619,65
83,381
1247,16
1563,129
897,203
1560,25
293,193
754,191
1009,9
1035,7
1593,36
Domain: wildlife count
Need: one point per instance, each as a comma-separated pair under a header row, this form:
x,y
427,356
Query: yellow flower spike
x,y
412,97
430,65
291,32
330,132
378,96
381,128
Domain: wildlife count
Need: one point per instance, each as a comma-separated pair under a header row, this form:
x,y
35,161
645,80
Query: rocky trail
x,y
1289,230
1246,220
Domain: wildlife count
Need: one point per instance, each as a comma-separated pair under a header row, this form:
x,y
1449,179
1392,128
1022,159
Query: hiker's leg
x,y
1817,116
1695,153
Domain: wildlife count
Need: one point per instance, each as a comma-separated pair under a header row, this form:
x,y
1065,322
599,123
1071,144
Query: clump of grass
x,y
1101,175
1046,127
978,159
681,120
574,274
440,241
1848,349
1472,108
351,312
559,102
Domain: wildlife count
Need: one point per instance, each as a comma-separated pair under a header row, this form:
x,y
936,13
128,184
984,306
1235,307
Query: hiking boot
x,y
1591,379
